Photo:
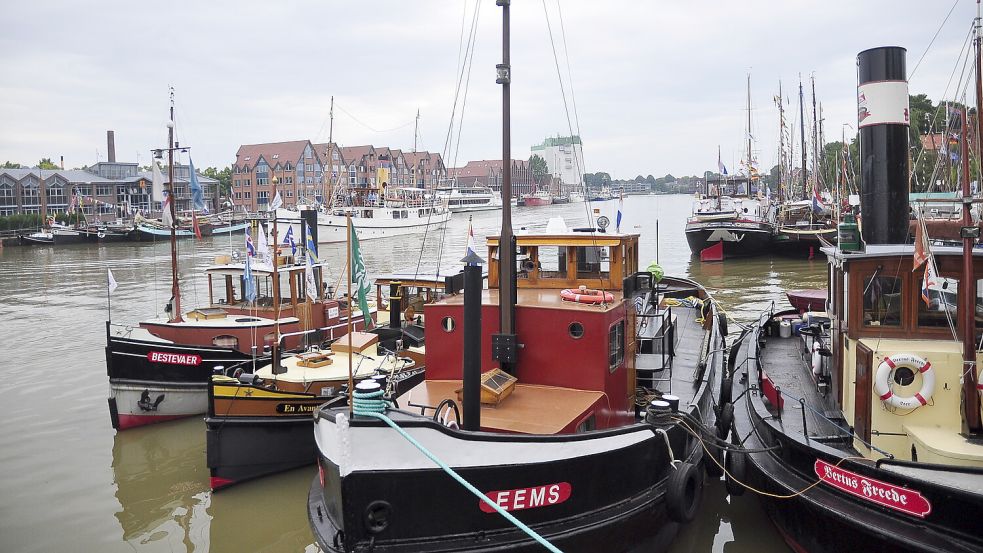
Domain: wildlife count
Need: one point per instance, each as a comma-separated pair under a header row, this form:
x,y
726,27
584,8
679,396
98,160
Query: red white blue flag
x,y
250,249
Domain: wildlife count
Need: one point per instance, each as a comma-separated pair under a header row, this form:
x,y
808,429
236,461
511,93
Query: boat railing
x,y
655,339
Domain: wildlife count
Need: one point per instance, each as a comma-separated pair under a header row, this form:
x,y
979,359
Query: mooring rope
x,y
371,404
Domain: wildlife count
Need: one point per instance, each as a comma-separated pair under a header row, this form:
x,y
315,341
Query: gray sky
x,y
658,85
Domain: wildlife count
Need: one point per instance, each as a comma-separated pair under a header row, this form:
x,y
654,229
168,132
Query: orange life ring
x,y
583,295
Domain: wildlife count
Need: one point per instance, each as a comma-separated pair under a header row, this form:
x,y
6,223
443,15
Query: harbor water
x,y
71,483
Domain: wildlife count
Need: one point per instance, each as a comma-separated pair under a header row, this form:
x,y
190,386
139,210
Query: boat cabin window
x,y
552,262
593,261
225,341
576,330
938,301
588,424
616,345
882,301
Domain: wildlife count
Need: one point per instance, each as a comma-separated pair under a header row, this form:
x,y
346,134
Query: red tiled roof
x,y
284,151
322,151
933,142
482,168
353,154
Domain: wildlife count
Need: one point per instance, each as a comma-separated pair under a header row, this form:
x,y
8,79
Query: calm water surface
x,y
69,482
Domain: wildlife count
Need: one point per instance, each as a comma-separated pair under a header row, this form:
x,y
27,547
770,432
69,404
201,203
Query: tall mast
x,y
504,345
43,193
175,289
802,125
749,164
781,145
815,138
330,177
277,369
416,128
971,398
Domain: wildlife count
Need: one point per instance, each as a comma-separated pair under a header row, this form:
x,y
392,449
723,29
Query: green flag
x,y
358,277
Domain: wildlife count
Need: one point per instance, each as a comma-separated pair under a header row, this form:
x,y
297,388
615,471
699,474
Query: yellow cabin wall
x,y
934,428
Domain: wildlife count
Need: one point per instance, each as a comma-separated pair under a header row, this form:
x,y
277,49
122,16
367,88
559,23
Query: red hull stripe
x,y
887,395
132,421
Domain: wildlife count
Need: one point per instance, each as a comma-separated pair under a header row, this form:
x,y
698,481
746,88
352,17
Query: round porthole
x,y
448,324
576,330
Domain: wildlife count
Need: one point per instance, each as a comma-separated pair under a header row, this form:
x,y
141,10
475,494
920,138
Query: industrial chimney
x,y
111,146
883,121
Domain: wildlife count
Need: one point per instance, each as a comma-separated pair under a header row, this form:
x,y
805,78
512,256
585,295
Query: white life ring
x,y
883,376
101,234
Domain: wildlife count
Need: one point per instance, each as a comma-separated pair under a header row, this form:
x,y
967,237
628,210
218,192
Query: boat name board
x,y
174,358
882,493
294,408
528,498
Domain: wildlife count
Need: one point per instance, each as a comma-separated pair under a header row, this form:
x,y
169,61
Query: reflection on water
x,y
70,483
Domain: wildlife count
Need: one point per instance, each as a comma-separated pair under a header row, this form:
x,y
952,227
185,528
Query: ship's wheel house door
x,y
862,398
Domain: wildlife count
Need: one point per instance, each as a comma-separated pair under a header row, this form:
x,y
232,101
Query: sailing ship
x,y
260,422
866,427
730,218
555,430
807,222
159,369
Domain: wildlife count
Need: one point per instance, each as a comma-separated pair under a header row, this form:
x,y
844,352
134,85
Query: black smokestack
x,y
111,146
883,120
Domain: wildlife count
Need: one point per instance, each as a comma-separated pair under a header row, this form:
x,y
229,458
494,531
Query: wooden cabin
x,y
879,308
575,367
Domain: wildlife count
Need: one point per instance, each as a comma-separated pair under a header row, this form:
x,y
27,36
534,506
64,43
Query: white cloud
x,y
658,85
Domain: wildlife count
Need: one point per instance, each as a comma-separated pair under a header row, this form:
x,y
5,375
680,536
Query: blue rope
x,y
371,405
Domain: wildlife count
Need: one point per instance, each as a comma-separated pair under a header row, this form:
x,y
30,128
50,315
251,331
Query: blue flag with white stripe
x,y
197,195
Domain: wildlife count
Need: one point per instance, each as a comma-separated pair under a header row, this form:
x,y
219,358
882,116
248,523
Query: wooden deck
x,y
787,363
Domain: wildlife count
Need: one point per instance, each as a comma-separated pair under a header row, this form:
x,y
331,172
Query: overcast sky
x,y
658,84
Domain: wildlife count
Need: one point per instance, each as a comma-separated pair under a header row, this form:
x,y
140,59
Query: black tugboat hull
x,y
240,448
739,239
603,510
827,519
243,449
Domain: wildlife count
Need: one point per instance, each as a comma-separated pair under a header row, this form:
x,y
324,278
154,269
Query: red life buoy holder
x,y
584,295
883,376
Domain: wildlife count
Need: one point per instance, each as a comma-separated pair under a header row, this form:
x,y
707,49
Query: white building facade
x,y
563,155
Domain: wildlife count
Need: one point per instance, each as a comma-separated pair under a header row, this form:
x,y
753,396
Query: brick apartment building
x,y
489,173
304,172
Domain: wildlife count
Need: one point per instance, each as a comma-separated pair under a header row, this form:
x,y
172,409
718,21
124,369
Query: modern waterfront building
x,y
563,155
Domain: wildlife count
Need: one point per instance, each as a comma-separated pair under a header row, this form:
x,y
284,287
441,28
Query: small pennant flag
x,y
166,216
264,246
922,249
721,168
248,280
928,280
194,224
250,249
310,283
277,202
817,202
288,240
111,282
621,204
472,250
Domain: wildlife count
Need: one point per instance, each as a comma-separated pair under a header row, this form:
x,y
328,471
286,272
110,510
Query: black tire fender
x,y
684,492
726,390
724,420
736,464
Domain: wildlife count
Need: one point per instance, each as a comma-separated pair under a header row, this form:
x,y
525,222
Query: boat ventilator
x,y
371,404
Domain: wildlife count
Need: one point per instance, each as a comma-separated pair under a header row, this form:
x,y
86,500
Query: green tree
x,y
223,176
11,165
538,167
46,163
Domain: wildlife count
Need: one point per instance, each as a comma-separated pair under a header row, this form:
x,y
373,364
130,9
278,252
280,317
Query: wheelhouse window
x,y
616,345
938,301
593,261
882,301
552,262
